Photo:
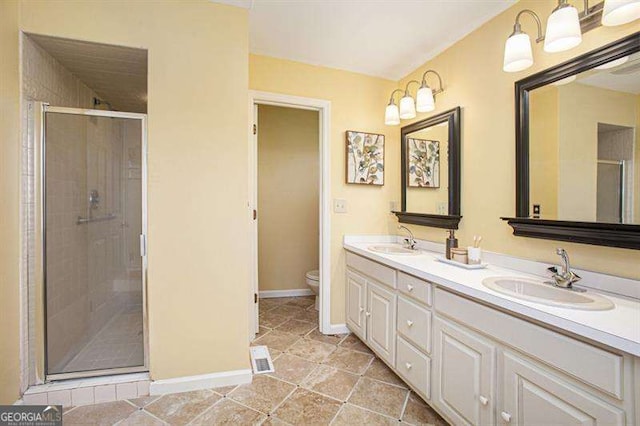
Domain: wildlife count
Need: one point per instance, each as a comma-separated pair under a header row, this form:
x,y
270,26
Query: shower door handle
x,y
143,245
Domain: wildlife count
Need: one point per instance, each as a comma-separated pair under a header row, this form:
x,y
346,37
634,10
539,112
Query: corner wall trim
x,y
339,329
296,292
202,381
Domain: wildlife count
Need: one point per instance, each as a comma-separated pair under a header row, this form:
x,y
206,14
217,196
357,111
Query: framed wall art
x,y
423,157
365,158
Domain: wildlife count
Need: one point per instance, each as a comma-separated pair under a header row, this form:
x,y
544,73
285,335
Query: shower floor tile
x,y
118,344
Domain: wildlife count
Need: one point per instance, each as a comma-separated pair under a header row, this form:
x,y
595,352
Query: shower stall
x,y
93,227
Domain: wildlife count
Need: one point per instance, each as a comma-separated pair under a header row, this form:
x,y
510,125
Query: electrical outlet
x,y
339,206
393,206
442,208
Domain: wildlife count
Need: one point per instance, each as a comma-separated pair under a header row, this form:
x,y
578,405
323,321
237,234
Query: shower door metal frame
x,y
46,108
623,181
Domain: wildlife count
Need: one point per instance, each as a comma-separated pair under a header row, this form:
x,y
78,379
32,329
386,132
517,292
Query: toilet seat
x,y
313,275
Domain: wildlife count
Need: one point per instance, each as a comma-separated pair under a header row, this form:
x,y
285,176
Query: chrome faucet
x,y
411,241
566,278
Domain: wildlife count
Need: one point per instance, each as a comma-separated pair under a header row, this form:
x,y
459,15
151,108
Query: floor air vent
x,y
261,360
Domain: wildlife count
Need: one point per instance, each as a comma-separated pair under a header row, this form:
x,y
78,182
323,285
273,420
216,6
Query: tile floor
x,y
319,380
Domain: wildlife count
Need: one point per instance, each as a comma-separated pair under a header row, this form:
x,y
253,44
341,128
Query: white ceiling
x,y
117,74
624,78
383,38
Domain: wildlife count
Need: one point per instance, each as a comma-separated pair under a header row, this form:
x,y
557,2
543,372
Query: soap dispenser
x,y
452,242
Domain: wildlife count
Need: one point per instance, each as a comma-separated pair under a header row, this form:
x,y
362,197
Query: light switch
x,y
339,206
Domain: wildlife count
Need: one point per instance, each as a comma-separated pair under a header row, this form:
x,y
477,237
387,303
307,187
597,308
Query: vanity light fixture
x,y
619,12
565,80
613,64
425,98
517,50
564,29
425,101
407,104
392,114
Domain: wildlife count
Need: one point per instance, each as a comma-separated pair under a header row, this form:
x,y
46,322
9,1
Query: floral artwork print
x,y
365,158
424,163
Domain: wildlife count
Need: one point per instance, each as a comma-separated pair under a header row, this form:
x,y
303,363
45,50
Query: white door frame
x,y
324,114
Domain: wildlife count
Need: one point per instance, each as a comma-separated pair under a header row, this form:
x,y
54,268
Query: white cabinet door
x,y
356,304
533,396
464,368
381,321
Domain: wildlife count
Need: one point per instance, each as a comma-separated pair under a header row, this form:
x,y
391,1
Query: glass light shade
x,y
407,108
563,30
613,64
517,53
619,12
564,81
424,100
392,115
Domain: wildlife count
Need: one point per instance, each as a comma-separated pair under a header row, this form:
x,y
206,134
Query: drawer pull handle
x,y
368,314
408,365
409,323
361,309
409,287
483,400
505,416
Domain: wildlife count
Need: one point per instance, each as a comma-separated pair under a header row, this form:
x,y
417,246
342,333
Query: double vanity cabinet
x,y
480,365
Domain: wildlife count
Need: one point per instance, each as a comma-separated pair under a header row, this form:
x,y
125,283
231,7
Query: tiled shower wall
x,y
44,80
74,293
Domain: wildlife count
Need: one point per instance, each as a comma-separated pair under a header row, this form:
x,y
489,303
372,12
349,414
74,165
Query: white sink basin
x,y
395,249
540,292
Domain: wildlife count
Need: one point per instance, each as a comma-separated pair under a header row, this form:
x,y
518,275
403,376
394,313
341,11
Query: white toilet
x,y
313,281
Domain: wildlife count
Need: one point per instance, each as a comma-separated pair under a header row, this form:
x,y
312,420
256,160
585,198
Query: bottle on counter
x,y
452,242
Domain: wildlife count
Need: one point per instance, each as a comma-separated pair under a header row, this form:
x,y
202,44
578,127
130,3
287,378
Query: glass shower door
x,y
609,191
93,217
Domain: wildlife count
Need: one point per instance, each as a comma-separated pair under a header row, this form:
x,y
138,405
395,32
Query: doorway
x,y
615,189
321,109
84,209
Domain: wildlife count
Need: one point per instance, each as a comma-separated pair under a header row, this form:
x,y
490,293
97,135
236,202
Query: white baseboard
x,y
296,292
202,381
338,329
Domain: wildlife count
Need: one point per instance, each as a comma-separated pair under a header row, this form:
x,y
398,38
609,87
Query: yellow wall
x,y
198,173
288,191
564,174
473,78
636,165
543,151
357,103
10,204
581,108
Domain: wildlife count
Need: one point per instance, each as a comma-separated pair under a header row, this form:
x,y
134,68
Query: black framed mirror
x,y
578,149
430,171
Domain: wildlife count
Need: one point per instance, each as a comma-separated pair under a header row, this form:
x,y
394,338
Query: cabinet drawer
x,y
414,367
594,366
381,273
415,288
414,323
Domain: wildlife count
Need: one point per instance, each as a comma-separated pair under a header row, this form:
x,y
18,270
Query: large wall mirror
x,y
431,171
578,149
